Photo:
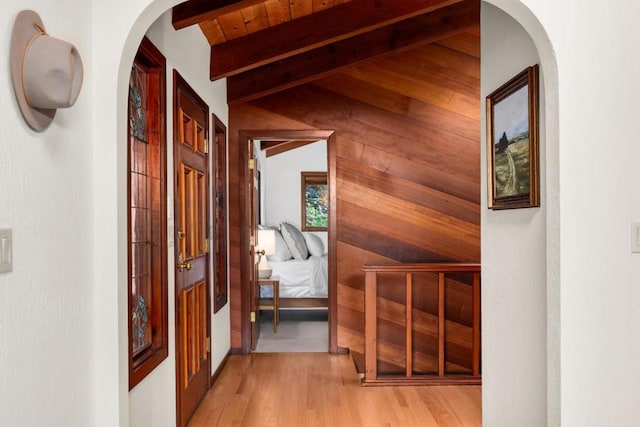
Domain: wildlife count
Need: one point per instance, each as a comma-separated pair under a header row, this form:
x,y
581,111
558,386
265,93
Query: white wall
x,y
46,302
281,181
513,258
592,175
152,402
600,195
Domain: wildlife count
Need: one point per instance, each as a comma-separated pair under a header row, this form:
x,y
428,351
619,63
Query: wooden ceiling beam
x,y
320,62
313,31
287,146
196,11
265,145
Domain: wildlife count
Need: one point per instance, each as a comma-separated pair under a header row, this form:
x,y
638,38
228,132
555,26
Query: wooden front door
x,y
191,195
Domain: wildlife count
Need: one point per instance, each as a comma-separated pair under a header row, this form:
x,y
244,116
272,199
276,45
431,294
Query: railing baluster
x,y
476,324
370,330
409,324
441,324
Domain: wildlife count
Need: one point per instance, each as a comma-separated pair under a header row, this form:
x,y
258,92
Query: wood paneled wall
x,y
408,164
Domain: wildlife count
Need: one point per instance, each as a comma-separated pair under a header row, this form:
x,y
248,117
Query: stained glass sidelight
x,y
138,102
144,207
140,224
148,339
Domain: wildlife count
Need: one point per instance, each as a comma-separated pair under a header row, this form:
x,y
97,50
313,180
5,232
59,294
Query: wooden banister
x,y
372,376
424,268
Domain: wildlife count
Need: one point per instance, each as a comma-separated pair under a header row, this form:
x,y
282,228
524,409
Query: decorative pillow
x,y
314,244
295,240
282,250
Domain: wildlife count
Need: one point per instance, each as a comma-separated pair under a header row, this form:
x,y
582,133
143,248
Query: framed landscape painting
x,y
512,143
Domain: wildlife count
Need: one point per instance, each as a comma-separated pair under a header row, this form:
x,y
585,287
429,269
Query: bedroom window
x,y
147,213
314,201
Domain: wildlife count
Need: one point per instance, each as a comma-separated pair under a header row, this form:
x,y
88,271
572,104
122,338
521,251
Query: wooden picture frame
x,y
512,143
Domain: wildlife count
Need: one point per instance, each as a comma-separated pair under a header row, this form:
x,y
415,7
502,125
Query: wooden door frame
x,y
253,187
245,256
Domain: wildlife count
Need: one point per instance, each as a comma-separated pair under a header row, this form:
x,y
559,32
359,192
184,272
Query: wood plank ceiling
x,y
238,19
314,36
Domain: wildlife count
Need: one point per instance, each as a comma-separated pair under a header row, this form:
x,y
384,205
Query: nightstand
x,y
270,304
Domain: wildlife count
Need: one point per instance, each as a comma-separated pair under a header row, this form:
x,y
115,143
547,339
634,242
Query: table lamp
x,y
266,246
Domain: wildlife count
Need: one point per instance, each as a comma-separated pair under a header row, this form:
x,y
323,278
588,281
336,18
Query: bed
x,y
301,266
300,278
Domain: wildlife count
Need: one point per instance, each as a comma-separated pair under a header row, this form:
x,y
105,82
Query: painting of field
x,y
511,145
512,169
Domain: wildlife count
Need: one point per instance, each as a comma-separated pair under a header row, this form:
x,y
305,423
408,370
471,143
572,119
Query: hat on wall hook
x,y
46,72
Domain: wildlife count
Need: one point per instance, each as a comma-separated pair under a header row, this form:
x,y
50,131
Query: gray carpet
x,y
298,331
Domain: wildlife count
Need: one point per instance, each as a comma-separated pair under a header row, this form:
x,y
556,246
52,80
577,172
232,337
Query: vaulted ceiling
x,y
263,47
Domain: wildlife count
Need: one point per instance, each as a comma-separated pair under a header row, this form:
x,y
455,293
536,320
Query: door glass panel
x,y
141,328
200,138
191,330
182,214
138,103
188,224
202,312
188,131
202,213
184,322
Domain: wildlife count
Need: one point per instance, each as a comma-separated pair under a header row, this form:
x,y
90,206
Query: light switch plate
x,y
635,236
6,250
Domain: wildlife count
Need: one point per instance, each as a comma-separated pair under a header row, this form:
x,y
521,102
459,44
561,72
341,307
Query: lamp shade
x,y
267,241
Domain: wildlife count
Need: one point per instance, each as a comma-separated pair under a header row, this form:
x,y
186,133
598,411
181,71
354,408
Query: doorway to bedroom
x,y
291,201
290,207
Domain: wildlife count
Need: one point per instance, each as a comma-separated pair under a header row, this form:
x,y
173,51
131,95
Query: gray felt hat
x,y
46,72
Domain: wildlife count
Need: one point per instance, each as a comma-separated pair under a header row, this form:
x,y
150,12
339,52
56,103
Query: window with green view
x,y
315,201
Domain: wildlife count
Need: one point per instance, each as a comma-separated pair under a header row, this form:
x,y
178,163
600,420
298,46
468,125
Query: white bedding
x,y
300,278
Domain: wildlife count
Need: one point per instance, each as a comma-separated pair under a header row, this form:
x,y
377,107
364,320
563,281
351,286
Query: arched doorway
x,y
113,392
513,39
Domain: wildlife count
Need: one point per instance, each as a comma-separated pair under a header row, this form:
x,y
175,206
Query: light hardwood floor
x,y
319,389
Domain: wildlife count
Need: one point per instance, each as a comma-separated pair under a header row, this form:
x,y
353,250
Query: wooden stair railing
x,y
371,375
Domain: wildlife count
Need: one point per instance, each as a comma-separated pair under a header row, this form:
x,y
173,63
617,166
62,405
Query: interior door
x,y
191,197
253,236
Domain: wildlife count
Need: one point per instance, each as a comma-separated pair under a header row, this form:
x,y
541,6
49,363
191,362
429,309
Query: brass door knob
x,y
184,266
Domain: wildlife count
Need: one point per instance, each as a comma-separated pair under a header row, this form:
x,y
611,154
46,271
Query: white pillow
x,y
314,244
295,240
282,250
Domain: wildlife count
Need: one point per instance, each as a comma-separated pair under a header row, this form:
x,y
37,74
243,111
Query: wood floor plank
x,y
319,389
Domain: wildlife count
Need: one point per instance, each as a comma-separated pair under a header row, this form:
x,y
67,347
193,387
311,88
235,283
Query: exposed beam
x,y
195,11
265,145
313,31
322,61
287,146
